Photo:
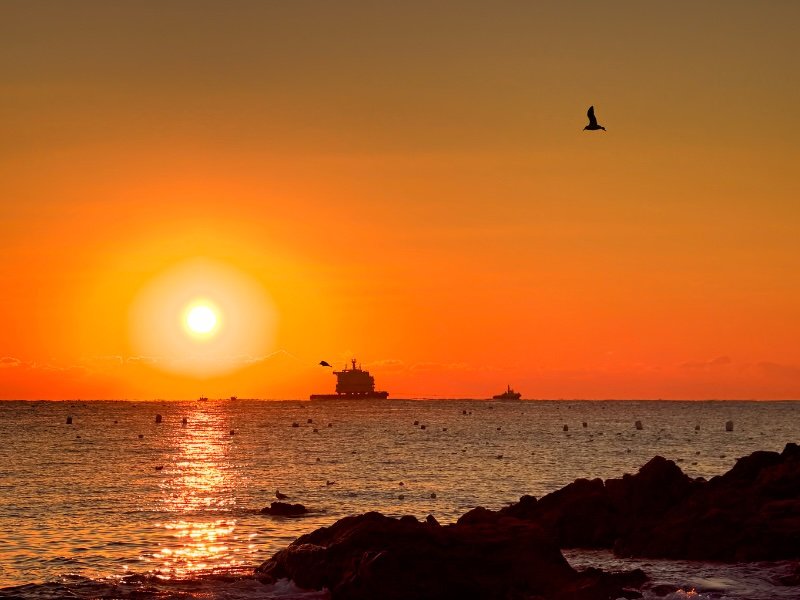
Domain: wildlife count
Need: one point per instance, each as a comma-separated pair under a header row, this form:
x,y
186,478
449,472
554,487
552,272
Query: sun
x,y
201,319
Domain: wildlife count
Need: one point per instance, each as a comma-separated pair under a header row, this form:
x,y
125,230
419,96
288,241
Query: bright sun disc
x,y
201,319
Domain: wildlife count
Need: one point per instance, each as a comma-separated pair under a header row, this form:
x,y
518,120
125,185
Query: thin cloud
x,y
791,372
720,361
9,362
436,366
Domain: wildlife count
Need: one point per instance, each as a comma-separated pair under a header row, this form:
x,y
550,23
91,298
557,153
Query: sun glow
x,y
201,319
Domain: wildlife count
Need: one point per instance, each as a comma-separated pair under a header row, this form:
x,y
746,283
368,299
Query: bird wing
x,y
590,114
324,363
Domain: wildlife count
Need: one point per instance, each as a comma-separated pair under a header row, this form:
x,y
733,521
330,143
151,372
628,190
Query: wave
x,y
237,584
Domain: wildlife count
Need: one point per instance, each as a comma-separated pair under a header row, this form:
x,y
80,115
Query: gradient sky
x,y
408,183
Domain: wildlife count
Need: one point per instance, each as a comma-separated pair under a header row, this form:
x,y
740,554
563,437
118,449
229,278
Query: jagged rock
x,y
284,509
372,556
750,513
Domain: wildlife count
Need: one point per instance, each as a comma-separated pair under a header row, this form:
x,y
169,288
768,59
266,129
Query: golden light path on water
x,y
202,481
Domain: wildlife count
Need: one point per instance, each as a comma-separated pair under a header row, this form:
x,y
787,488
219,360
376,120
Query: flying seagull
x,y
592,126
324,363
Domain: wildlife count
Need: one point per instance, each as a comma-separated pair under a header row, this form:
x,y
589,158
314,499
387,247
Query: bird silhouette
x,y
280,496
592,126
324,363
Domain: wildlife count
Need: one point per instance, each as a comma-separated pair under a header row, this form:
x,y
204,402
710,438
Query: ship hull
x,y
352,396
516,396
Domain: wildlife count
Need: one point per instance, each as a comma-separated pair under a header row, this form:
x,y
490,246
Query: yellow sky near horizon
x,y
409,184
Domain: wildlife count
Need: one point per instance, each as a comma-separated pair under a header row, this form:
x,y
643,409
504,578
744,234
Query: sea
x,y
118,505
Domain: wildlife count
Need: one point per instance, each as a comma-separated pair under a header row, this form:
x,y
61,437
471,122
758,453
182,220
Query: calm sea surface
x,y
117,505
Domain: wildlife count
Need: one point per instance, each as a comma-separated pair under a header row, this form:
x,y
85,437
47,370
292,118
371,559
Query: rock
x,y
284,509
372,556
750,513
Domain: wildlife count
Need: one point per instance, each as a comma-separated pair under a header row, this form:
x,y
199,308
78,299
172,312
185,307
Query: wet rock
x,y
284,509
372,556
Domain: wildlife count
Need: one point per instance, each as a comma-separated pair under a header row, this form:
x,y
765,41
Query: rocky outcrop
x,y
284,509
750,513
372,556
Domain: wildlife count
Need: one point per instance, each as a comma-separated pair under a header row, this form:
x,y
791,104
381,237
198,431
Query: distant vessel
x,y
202,399
353,383
509,394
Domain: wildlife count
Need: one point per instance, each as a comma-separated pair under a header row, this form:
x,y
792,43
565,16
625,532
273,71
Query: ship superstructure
x,y
353,383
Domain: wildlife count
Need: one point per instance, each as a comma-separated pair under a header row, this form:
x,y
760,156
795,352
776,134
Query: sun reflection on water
x,y
201,481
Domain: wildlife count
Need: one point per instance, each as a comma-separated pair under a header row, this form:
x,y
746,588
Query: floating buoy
x,y
499,456
159,467
566,428
697,427
330,424
416,422
401,497
433,494
316,430
69,420
233,432
585,424
402,484
444,428
318,459
499,428
295,424
141,436
463,412
422,426
309,421
639,425
158,418
184,421
728,425
115,422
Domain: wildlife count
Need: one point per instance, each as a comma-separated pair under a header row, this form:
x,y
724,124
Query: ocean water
x,y
117,505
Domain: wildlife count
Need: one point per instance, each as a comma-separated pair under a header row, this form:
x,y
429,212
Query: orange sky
x,y
406,183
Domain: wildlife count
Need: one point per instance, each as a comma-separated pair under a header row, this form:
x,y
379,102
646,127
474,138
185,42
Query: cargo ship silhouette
x,y
509,394
353,383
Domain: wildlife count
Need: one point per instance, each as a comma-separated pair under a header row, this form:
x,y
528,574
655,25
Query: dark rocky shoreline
x,y
750,513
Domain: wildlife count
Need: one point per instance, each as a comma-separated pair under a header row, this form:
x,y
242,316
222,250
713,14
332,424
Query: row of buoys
x,y
184,420
640,426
